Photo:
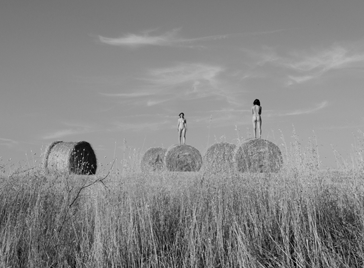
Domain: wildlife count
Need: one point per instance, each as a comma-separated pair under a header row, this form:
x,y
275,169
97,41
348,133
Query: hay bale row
x,y
70,157
253,155
175,158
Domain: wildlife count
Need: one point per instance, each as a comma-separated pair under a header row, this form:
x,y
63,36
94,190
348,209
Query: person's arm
x,y
186,124
260,110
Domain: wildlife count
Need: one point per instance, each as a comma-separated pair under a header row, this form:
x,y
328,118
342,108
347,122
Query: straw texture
x,y
70,157
153,160
183,158
219,157
258,156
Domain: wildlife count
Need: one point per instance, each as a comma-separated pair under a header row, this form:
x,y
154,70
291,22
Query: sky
x,y
118,73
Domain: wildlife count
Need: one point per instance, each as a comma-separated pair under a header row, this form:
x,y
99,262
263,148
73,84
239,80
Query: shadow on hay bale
x,y
219,157
183,158
71,158
258,156
153,160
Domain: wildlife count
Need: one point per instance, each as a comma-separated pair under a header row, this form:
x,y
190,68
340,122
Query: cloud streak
x,y
194,81
298,79
306,66
167,39
194,74
311,110
136,94
170,38
140,126
60,134
336,57
8,142
133,40
183,81
315,66
72,129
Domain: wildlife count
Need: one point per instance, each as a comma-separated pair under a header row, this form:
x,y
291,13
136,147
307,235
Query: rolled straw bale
x,y
70,157
182,158
258,156
153,160
219,157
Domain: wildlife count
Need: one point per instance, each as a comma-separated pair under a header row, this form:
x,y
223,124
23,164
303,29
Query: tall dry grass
x,y
300,217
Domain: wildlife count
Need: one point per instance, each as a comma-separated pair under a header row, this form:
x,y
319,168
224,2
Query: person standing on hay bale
x,y
182,128
257,118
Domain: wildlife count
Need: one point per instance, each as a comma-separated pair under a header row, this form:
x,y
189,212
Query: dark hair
x,y
256,102
182,114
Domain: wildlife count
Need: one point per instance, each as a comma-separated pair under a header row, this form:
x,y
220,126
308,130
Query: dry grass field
x,y
299,217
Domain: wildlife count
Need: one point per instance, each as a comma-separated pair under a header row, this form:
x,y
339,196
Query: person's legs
x,y
260,127
255,128
180,136
184,135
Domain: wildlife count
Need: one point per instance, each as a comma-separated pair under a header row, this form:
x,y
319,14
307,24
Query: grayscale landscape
x,y
127,133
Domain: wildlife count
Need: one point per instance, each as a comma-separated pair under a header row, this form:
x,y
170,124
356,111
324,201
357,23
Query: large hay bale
x,y
183,158
258,156
153,160
70,157
219,157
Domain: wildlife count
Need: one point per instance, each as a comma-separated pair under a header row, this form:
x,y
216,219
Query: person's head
x,y
256,102
182,115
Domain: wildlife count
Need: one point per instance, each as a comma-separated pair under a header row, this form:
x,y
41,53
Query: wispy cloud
x,y
70,129
357,126
224,117
183,81
156,101
133,40
304,66
8,142
194,74
310,110
128,95
336,57
194,81
298,79
170,38
140,126
266,56
60,134
167,39
316,65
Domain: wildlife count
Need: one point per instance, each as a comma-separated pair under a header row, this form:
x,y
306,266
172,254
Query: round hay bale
x,y
258,156
183,158
70,157
219,157
153,160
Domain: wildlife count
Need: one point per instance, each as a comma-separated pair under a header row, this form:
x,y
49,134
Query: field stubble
x,y
298,217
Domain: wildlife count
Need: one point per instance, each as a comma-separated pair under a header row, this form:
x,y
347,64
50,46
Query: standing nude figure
x,y
182,128
257,119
